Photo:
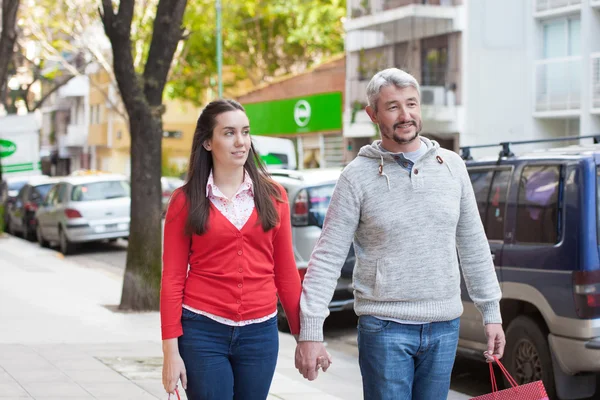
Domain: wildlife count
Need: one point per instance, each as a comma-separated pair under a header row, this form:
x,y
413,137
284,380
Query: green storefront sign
x,y
7,148
309,114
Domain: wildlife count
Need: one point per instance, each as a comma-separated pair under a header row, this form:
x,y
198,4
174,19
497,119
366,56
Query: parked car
x,y
541,213
169,184
21,211
8,192
84,209
309,193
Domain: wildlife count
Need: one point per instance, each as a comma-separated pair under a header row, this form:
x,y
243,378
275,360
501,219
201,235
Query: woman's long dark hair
x,y
201,163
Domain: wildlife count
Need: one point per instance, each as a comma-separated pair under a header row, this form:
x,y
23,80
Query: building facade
x,y
490,70
109,139
306,108
84,126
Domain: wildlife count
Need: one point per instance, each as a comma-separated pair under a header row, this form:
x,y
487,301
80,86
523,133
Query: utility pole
x,y
219,50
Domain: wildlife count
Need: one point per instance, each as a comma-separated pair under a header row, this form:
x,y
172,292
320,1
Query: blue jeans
x,y
406,362
227,362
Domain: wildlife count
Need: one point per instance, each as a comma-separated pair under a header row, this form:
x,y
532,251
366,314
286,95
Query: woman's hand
x,y
173,367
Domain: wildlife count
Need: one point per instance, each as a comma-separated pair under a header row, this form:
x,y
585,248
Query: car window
x,y
100,191
537,207
42,190
61,196
481,180
23,193
51,195
16,185
496,209
319,198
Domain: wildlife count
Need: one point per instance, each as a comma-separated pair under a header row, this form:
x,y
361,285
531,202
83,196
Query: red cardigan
x,y
235,274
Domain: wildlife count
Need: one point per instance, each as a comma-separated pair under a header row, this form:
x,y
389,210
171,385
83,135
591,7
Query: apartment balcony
x,y
405,21
595,58
555,8
557,87
76,136
78,86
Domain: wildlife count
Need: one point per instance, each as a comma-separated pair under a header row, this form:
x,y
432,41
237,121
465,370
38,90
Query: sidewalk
x,y
60,338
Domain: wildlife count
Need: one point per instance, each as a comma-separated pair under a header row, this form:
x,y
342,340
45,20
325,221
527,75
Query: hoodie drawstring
x,y
383,173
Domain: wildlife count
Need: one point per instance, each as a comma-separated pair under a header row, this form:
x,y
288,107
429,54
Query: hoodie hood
x,y
374,151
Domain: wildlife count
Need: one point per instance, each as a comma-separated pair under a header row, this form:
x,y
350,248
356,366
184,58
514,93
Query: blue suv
x,y
541,216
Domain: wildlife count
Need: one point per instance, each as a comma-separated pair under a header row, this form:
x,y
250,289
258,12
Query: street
x,y
469,377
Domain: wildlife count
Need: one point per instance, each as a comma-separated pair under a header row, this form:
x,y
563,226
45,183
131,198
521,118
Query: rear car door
x,y
491,186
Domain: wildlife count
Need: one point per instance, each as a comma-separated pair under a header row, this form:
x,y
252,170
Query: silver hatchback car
x,y
84,209
309,193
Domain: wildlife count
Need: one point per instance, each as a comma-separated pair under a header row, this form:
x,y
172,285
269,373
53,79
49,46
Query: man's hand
x,y
310,356
495,341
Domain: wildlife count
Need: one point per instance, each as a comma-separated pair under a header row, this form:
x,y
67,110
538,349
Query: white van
x,y
277,153
19,145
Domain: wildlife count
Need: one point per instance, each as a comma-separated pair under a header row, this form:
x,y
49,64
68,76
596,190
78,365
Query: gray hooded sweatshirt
x,y
406,228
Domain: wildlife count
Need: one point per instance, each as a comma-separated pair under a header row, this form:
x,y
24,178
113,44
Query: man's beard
x,y
392,136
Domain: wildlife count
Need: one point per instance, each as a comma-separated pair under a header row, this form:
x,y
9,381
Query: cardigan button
x,y
239,301
239,285
239,316
239,235
240,253
416,171
240,270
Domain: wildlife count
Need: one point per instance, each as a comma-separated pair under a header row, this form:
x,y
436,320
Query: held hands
x,y
173,370
495,342
310,356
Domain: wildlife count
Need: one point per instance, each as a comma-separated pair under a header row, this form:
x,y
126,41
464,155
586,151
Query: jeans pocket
x,y
454,323
367,323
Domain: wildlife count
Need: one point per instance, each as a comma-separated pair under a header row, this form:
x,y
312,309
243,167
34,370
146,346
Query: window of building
x,y
561,38
538,205
434,61
173,134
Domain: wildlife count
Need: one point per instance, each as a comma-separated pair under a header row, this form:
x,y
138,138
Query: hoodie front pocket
x,y
400,280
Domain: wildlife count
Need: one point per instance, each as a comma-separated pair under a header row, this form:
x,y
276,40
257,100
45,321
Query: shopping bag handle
x,y
176,393
510,379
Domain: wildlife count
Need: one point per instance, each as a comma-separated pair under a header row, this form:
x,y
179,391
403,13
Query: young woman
x,y
231,224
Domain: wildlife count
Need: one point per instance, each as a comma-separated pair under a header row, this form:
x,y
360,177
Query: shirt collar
x,y
213,189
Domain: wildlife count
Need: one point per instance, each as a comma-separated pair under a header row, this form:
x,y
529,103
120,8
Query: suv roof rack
x,y
505,152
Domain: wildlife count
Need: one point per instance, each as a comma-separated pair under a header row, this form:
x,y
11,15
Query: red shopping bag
x,y
177,393
530,391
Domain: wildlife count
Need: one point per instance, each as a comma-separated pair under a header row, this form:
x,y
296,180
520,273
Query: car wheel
x,y
44,243
66,247
27,234
527,354
9,228
282,322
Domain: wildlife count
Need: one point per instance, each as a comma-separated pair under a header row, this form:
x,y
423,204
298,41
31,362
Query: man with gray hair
x,y
409,207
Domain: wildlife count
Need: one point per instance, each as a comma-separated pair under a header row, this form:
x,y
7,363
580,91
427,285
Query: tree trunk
x,y
143,100
7,42
141,283
8,36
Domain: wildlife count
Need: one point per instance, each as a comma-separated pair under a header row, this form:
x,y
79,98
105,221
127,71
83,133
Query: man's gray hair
x,y
388,77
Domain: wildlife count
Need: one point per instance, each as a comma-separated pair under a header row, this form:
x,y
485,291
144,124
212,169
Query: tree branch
x,y
46,95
